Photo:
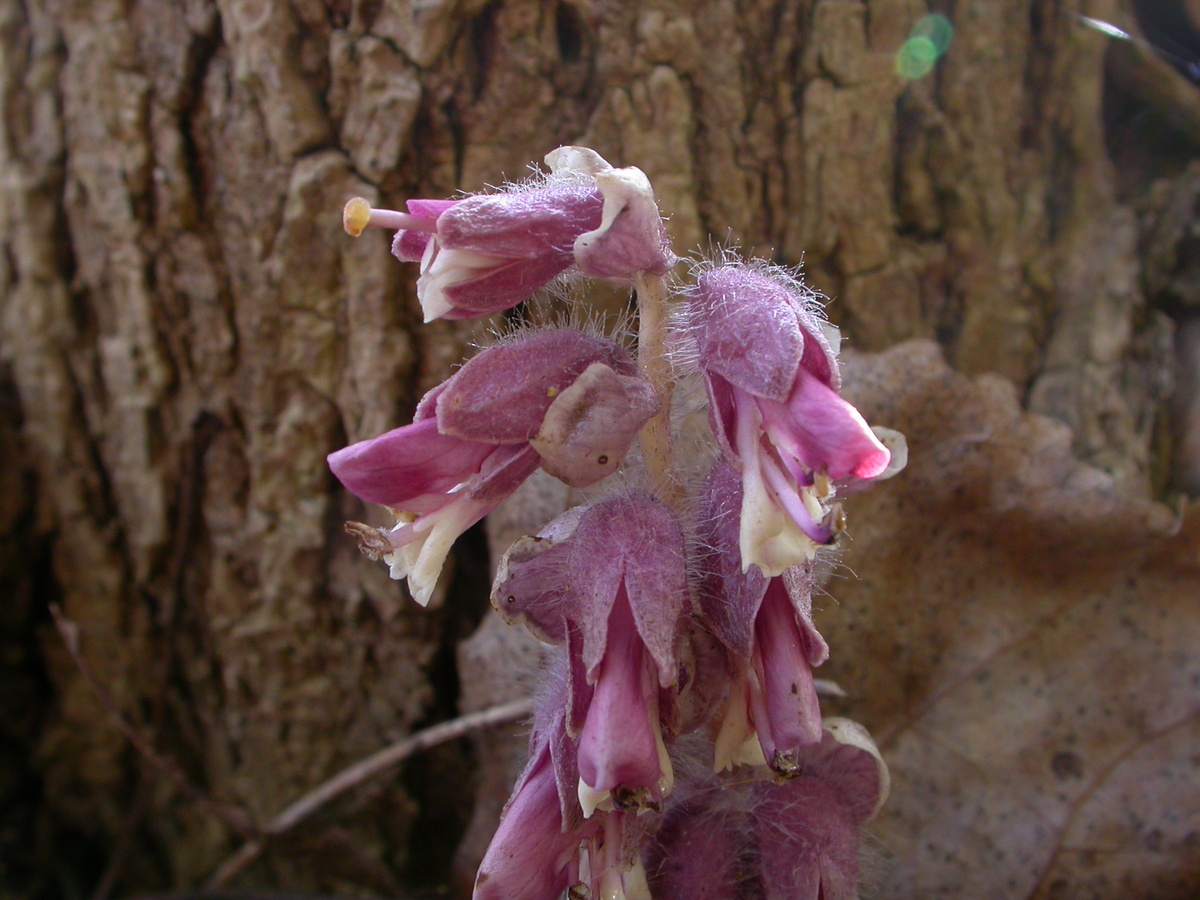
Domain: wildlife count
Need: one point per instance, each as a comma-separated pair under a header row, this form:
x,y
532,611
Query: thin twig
x,y
361,772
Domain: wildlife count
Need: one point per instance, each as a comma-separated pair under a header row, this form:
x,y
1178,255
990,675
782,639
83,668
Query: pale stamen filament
x,y
358,215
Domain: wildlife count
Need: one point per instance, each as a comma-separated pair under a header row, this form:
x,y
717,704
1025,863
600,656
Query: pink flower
x,y
545,845
565,400
531,857
807,829
770,368
486,253
609,583
766,627
536,852
621,751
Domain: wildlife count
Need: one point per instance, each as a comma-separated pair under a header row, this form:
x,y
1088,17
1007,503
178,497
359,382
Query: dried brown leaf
x,y
1022,638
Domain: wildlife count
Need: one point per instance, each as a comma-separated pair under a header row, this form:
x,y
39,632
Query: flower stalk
x,y
653,317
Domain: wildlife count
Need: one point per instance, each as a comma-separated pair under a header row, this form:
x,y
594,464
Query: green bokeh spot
x,y
936,29
921,48
915,58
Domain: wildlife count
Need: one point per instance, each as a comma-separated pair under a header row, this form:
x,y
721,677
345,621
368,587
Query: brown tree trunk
x,y
187,333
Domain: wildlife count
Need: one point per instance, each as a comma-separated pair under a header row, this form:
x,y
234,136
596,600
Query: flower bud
x,y
758,840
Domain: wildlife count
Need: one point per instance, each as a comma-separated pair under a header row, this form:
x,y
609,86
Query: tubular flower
x,y
544,845
772,645
486,253
536,852
565,400
757,840
770,368
531,856
610,584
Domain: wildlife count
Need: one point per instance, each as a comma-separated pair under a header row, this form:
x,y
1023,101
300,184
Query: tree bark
x,y
187,333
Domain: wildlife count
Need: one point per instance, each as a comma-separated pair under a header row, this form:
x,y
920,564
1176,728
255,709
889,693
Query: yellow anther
x,y
356,216
823,485
552,392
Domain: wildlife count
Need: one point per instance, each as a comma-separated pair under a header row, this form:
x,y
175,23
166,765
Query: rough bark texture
x,y
187,333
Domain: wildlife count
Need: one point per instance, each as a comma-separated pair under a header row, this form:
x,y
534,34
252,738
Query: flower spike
x,y
706,644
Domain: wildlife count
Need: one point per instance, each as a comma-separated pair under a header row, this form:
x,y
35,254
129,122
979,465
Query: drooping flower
x,y
765,624
486,253
545,845
536,852
531,856
566,400
609,583
770,368
758,840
